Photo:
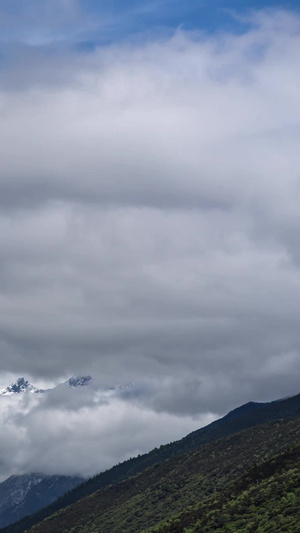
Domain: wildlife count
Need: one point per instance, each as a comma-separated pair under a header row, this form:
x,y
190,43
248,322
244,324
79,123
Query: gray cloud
x,y
78,431
149,220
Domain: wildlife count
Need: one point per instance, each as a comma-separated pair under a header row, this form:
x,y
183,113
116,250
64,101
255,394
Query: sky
x,y
149,216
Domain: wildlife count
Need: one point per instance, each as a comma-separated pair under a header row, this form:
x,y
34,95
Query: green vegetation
x,y
204,490
151,489
246,416
266,499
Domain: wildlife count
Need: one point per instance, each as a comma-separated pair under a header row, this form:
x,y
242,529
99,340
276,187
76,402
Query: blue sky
x,y
90,22
208,15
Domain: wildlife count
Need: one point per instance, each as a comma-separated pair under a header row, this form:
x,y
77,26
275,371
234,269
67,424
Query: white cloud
x,y
149,217
71,432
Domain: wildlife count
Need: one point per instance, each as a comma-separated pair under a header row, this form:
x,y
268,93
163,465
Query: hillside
x,y
169,488
246,416
266,498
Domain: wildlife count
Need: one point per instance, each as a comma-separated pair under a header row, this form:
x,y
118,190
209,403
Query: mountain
x,y
79,381
21,385
265,498
256,422
14,489
25,494
210,478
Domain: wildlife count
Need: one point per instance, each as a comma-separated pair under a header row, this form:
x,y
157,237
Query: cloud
x,y
77,432
149,218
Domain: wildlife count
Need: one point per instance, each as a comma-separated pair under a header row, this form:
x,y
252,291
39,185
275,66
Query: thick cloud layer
x,y
149,219
82,432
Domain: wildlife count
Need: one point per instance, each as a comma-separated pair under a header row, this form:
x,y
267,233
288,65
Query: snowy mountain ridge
x,y
25,494
79,381
21,385
15,488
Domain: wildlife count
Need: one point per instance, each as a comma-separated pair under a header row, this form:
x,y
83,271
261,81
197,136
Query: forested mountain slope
x,y
265,499
169,488
246,416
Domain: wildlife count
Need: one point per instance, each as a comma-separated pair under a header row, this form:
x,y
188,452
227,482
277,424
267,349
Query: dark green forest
x,y
265,499
181,484
219,478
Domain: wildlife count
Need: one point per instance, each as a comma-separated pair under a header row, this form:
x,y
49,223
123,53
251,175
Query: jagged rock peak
x,y
79,381
21,385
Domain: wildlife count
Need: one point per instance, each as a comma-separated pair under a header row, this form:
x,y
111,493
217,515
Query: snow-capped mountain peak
x,y
79,381
21,385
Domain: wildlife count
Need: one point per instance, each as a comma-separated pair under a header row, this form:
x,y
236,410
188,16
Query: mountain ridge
x,y
161,491
24,494
21,385
242,418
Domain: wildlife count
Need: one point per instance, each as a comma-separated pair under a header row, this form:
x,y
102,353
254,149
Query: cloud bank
x,y
149,221
80,432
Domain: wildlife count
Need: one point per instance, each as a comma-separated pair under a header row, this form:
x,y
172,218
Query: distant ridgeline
x,y
219,475
22,385
25,494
